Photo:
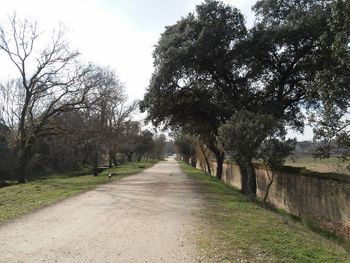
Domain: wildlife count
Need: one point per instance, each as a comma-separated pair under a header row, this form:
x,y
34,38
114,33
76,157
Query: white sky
x,y
118,33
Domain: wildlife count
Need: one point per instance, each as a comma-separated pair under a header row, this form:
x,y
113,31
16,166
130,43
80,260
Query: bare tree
x,y
109,95
121,113
129,138
50,82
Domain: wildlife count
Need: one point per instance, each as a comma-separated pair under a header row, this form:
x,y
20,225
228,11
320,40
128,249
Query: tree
x,y
283,54
186,147
242,136
145,145
50,83
209,70
273,153
6,154
196,81
331,121
170,148
159,146
121,113
129,138
203,152
331,132
108,94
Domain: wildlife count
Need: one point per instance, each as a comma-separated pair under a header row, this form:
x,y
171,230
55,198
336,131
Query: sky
x,y
116,33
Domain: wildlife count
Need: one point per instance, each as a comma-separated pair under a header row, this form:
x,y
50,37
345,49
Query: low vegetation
x,y
238,230
20,199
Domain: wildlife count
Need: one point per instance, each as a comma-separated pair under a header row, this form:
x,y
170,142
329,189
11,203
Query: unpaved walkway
x,y
142,218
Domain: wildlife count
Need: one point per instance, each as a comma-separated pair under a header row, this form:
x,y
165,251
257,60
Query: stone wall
x,y
318,200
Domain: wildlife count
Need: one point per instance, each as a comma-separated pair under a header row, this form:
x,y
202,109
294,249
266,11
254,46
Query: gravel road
x,y
148,217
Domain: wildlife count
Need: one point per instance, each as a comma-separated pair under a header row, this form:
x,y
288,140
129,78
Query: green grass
x,y
17,200
236,229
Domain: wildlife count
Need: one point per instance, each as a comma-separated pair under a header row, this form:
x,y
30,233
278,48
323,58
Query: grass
x,y
236,229
17,200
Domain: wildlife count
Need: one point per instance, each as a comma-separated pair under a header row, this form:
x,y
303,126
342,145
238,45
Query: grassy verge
x,y
17,200
238,230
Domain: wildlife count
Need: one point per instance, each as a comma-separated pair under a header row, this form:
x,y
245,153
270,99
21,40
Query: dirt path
x,y
142,218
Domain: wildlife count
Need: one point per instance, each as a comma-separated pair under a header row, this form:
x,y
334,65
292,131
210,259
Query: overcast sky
x,y
117,33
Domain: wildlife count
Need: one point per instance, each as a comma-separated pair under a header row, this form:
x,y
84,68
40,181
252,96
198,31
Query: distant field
x,y
331,165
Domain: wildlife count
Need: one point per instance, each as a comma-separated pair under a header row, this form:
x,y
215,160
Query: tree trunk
x,y
23,161
96,157
244,177
252,179
271,177
186,159
110,158
206,159
129,156
248,177
86,156
194,162
220,157
21,169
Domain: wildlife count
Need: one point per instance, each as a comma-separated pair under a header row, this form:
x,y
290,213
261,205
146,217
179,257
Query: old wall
x,y
322,202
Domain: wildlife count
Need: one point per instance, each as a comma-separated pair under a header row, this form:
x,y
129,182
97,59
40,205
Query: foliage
x,y
332,82
331,122
139,144
331,133
242,135
284,53
196,74
159,146
186,147
186,57
274,151
145,145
